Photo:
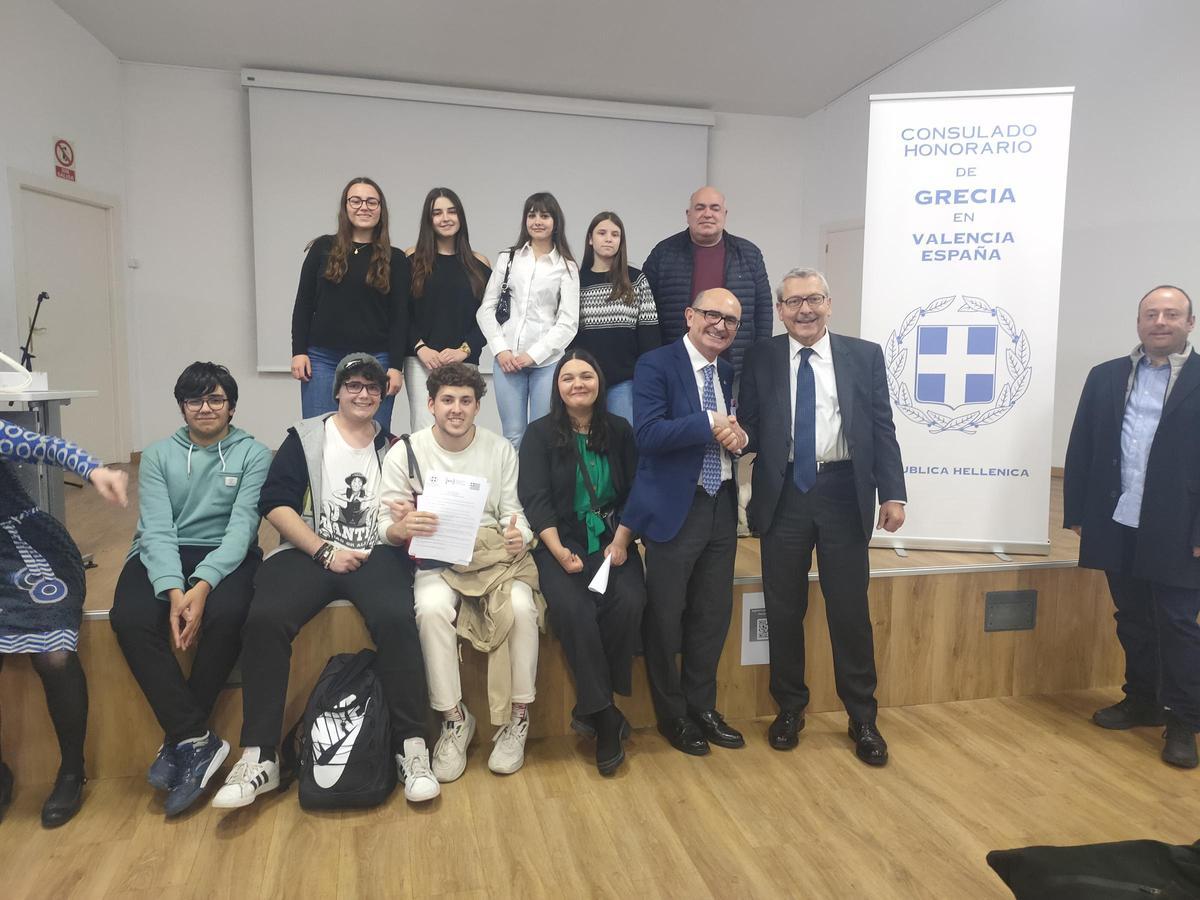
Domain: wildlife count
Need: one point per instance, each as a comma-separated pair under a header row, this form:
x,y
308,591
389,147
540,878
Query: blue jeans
x,y
620,400
522,397
316,394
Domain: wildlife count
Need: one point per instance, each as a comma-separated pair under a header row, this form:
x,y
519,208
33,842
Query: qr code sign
x,y
758,625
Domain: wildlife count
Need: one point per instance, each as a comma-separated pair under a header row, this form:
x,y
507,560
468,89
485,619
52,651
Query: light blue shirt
x,y
1143,410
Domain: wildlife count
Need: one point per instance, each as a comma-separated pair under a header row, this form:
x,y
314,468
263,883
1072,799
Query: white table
x,y
41,411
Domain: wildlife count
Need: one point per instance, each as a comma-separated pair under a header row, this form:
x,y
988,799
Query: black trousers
x,y
141,622
689,599
827,517
599,633
1156,625
290,589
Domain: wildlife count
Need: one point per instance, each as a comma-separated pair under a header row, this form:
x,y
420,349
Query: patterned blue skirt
x,y
42,582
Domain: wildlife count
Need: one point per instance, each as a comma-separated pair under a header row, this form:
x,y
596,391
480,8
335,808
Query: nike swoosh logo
x,y
331,761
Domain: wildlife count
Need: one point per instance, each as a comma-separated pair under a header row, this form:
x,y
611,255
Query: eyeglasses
x,y
371,203
813,301
357,387
214,401
712,317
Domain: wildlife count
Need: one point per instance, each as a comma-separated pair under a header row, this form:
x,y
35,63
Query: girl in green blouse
x,y
577,465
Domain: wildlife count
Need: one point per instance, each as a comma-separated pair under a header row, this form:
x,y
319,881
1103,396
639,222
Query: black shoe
x,y
612,730
784,733
1180,749
1129,713
584,725
6,788
869,745
684,736
715,729
64,801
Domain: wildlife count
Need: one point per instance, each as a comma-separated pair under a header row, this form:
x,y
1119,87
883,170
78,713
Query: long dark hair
x,y
618,275
379,274
425,251
564,433
544,202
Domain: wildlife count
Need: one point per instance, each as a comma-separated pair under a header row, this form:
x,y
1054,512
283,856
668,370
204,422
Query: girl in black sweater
x,y
618,318
353,296
448,279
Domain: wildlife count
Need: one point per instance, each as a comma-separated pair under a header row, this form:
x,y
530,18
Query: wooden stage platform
x,y
927,610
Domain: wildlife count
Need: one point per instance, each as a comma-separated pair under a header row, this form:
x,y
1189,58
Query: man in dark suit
x,y
1131,491
815,407
684,504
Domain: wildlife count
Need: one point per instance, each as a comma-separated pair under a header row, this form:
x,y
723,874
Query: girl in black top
x,y
353,296
568,510
448,279
618,318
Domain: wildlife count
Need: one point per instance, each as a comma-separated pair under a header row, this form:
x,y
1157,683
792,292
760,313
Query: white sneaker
x,y
413,767
509,753
247,780
450,751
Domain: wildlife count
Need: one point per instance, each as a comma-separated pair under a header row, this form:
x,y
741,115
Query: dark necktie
x,y
804,434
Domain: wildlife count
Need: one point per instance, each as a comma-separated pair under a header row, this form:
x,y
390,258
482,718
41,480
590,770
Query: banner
x,y
962,252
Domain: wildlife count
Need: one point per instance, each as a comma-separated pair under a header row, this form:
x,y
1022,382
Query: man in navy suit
x,y
684,504
815,407
1131,491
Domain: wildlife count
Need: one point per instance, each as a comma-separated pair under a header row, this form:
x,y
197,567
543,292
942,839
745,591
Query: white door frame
x,y
19,181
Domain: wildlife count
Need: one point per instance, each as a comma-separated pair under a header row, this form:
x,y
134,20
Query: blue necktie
x,y
804,434
710,471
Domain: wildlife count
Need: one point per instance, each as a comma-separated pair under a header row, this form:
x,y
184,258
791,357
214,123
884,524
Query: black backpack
x,y
340,751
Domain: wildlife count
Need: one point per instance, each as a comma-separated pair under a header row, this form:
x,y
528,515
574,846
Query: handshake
x,y
729,433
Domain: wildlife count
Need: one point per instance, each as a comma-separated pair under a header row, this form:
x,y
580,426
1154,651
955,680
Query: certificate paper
x,y
600,580
457,501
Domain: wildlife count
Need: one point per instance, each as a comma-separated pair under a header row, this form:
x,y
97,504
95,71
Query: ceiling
x,y
775,57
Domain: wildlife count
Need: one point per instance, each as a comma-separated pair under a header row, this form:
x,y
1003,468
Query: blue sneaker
x,y
197,762
163,770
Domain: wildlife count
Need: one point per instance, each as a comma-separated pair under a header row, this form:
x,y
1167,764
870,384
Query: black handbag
x,y
504,304
608,515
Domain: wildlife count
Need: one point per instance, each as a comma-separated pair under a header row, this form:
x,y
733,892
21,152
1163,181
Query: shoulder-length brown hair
x,y
379,273
544,202
426,249
618,275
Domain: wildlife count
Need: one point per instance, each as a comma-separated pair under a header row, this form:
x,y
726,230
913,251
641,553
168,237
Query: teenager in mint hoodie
x,y
189,577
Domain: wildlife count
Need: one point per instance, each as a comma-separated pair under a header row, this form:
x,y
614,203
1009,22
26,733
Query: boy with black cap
x,y
322,496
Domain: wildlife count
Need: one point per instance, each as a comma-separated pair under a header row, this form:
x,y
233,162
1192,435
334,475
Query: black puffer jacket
x,y
669,270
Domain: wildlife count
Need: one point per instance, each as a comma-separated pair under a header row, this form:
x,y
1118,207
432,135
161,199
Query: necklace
x,y
358,246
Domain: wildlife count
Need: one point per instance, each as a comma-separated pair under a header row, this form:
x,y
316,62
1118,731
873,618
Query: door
x,y
843,268
68,254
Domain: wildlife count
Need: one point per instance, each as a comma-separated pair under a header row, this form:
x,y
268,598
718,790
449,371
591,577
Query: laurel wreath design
x,y
1016,359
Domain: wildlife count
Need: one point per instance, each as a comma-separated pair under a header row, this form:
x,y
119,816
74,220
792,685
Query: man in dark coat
x,y
814,406
706,256
1131,491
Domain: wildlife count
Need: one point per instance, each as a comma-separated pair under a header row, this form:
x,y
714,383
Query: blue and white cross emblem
x,y
956,364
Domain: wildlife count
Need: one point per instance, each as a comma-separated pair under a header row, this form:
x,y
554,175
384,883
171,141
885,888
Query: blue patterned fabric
x,y
710,470
42,582
804,428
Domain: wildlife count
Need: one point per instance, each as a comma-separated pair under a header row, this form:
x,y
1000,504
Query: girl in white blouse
x,y
529,314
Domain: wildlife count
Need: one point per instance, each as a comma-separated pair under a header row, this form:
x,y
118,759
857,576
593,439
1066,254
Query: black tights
x,y
67,700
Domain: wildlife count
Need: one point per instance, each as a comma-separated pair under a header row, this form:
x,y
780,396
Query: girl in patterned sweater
x,y
41,600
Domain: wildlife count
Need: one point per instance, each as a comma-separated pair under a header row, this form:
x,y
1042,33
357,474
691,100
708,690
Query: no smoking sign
x,y
64,160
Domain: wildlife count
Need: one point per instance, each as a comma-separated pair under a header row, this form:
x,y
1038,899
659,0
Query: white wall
x,y
56,80
189,228
1133,191
756,162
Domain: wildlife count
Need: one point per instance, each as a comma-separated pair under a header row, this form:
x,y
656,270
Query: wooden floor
x,y
965,778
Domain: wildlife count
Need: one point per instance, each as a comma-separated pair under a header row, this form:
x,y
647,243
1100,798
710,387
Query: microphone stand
x,y
27,356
